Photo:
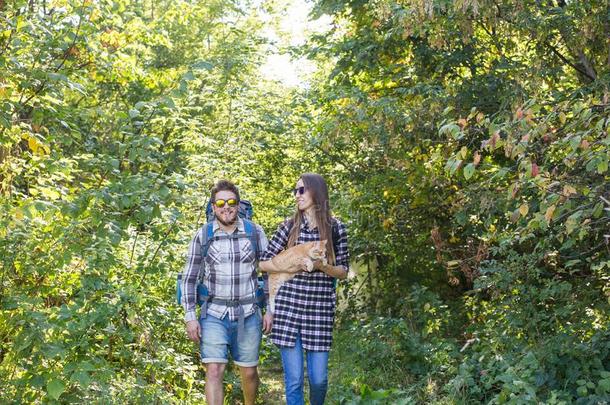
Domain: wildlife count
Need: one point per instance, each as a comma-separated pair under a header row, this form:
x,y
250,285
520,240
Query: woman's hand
x,y
319,265
333,271
267,322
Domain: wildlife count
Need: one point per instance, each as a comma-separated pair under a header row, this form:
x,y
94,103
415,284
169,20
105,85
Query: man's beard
x,y
226,223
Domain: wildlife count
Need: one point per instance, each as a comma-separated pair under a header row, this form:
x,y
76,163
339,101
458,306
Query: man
x,y
232,321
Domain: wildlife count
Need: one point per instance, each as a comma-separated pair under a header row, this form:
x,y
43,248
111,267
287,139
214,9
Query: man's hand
x,y
193,330
267,322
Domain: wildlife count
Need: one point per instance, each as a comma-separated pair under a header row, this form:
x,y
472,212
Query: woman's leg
x,y
292,361
317,372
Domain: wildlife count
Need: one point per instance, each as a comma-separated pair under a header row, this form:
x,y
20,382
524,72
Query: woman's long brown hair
x,y
316,185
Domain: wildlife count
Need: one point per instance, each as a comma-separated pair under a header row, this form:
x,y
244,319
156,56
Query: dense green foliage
x,y
465,142
116,119
479,129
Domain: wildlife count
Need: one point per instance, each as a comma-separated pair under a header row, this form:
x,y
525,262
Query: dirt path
x,y
272,384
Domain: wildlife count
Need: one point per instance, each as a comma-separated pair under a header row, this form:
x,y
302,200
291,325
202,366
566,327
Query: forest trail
x,y
272,384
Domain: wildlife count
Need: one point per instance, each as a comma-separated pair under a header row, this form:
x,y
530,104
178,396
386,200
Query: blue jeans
x,y
317,373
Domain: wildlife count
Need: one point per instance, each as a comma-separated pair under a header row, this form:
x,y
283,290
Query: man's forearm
x,y
189,293
190,316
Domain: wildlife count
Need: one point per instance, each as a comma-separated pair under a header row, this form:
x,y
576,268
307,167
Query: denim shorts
x,y
219,337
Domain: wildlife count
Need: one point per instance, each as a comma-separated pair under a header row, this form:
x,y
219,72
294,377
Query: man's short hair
x,y
224,185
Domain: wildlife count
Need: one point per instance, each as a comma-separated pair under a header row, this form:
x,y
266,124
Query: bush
x,y
395,360
536,338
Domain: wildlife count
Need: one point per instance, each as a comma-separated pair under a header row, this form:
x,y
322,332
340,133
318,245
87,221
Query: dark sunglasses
x,y
231,202
299,191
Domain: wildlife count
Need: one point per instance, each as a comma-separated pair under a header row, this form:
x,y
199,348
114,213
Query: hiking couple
x,y
224,255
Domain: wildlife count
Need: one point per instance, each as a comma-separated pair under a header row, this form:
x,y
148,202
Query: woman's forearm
x,y
334,271
284,262
268,267
271,266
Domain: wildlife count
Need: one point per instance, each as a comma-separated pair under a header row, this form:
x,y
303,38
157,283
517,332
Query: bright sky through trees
x,y
294,27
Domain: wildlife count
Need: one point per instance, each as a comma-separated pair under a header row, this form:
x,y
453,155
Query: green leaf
x,y
575,142
156,212
202,64
188,76
461,218
469,170
37,381
55,388
87,366
57,77
598,210
169,102
573,221
452,165
604,385
4,121
602,167
50,193
54,350
82,378
451,129
572,263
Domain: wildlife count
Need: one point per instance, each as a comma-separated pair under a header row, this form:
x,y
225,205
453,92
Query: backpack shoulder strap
x,y
207,235
252,233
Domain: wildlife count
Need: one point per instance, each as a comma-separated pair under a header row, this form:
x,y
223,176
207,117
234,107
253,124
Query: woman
x,y
305,305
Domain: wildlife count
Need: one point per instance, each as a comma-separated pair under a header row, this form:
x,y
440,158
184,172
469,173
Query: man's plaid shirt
x,y
306,303
229,272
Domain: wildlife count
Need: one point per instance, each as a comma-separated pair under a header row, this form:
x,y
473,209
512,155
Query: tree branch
x,y
568,62
586,63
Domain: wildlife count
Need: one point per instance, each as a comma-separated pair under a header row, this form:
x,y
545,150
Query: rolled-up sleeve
x,y
277,243
190,275
342,253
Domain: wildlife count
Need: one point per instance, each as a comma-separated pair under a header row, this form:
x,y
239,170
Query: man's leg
x,y
213,383
249,383
244,350
214,353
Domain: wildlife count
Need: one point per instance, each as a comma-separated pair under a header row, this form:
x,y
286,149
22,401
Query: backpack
x,y
245,212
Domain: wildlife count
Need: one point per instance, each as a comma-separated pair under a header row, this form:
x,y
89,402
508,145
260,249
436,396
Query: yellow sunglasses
x,y
231,202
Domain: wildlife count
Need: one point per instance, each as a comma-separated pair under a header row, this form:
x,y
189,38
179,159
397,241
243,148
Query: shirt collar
x,y
240,225
305,223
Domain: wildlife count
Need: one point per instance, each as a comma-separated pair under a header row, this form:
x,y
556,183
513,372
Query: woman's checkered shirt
x,y
306,304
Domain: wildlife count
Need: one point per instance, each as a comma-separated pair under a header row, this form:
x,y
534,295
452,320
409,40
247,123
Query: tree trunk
x,y
4,188
607,31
